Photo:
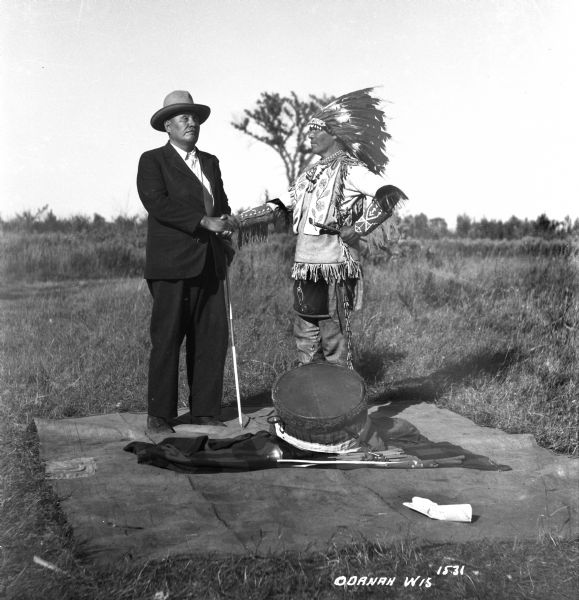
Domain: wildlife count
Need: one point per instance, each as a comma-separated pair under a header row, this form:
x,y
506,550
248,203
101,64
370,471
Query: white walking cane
x,y
233,352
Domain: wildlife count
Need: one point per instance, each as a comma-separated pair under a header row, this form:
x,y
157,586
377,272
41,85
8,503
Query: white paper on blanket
x,y
73,468
441,512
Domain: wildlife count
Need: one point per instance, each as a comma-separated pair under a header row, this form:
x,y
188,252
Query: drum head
x,y
321,401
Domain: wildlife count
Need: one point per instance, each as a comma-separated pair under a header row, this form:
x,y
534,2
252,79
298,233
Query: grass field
x,y
490,334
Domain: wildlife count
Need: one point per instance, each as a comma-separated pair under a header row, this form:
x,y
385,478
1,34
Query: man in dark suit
x,y
188,247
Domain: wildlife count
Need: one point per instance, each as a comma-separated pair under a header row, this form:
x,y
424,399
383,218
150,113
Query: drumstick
x,y
413,463
386,464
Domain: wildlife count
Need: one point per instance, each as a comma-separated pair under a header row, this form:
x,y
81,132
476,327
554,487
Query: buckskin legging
x,y
319,338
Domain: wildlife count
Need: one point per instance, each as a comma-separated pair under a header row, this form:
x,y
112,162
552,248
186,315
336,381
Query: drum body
x,y
321,403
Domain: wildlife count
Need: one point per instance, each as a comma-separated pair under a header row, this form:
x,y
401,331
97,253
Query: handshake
x,y
223,226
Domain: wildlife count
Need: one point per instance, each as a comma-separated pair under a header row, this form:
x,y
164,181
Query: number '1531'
x,y
450,570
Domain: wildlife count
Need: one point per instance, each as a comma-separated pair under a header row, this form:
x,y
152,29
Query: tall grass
x,y
59,256
105,253
493,339
485,248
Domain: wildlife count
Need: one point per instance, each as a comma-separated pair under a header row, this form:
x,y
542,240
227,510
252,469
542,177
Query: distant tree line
x,y
410,226
45,221
421,227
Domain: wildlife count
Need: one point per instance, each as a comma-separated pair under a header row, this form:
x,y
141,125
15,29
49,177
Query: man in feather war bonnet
x,y
336,202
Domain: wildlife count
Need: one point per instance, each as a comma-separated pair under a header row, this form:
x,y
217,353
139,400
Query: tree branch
x,y
281,122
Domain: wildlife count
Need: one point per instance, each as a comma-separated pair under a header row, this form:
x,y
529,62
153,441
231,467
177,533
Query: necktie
x,y
194,164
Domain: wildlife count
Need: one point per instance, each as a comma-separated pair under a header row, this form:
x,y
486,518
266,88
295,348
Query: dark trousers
x,y
191,309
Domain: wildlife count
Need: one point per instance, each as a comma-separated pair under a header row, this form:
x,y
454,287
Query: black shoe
x,y
207,421
158,425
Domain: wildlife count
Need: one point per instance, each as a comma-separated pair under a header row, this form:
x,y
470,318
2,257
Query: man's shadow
x,y
371,366
399,394
414,390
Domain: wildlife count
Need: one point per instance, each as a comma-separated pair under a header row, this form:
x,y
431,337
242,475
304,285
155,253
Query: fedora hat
x,y
176,103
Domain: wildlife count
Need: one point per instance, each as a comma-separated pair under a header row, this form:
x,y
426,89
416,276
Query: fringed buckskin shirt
x,y
335,192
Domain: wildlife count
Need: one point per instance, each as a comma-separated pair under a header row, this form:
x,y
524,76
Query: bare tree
x,y
281,122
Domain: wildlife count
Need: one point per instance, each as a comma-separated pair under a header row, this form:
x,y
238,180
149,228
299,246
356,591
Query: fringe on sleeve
x,y
255,222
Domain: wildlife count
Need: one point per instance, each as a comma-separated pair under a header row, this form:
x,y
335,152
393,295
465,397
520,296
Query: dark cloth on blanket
x,y
246,452
383,431
427,450
250,452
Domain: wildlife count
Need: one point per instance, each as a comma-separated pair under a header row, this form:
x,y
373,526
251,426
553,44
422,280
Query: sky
x,y
481,96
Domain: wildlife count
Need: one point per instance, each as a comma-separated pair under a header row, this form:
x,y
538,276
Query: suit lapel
x,y
178,163
174,161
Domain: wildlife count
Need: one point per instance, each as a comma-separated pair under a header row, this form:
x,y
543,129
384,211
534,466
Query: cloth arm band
x,y
386,199
259,214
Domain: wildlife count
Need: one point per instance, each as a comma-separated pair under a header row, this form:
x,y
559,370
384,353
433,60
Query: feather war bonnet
x,y
358,123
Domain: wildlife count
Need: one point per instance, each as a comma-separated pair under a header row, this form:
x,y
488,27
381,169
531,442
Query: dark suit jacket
x,y
173,197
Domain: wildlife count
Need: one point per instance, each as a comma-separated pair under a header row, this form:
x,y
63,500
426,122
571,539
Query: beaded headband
x,y
316,125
